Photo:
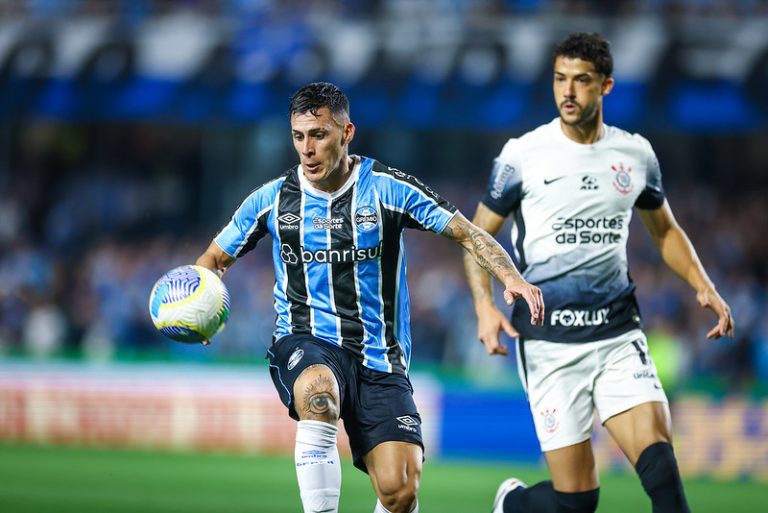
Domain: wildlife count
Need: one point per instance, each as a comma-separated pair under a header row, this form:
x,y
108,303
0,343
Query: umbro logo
x,y
407,420
548,181
408,423
289,218
289,221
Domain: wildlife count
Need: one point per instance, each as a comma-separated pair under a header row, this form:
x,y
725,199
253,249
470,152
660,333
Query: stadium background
x,y
130,130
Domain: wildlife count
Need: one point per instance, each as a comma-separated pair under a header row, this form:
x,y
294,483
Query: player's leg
x,y
557,378
395,472
306,373
574,488
634,409
318,467
384,429
644,434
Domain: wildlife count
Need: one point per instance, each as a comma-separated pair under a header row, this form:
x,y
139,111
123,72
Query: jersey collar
x,y
309,189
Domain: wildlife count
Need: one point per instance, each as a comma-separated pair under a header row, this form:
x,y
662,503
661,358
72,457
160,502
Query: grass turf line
x,y
42,479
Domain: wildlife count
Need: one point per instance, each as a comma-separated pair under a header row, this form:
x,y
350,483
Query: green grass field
x,y
61,480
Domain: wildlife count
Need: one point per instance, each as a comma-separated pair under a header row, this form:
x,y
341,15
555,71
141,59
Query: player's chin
x,y
572,118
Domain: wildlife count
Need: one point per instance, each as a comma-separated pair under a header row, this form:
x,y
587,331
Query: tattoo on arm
x,y
489,254
486,251
478,279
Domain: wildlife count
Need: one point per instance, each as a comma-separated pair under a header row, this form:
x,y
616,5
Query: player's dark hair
x,y
317,95
590,47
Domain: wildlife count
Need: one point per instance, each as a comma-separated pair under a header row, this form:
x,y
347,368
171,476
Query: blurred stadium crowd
x,y
86,232
109,176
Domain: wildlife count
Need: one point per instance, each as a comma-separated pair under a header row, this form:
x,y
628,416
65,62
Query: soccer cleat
x,y
504,488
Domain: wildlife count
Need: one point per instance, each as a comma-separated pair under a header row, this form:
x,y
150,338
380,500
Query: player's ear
x,y
607,86
348,133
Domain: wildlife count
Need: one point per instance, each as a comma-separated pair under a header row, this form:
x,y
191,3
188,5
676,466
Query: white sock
x,y
318,468
382,509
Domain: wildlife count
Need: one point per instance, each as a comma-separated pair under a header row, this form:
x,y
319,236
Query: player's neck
x,y
584,133
338,177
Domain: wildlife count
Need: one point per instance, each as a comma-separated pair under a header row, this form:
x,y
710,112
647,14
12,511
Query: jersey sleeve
x,y
652,196
504,190
249,222
422,208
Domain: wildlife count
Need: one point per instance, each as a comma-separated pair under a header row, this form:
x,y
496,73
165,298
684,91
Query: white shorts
x,y
565,382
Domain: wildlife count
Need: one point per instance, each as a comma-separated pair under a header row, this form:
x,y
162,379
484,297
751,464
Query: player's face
x,y
579,90
322,145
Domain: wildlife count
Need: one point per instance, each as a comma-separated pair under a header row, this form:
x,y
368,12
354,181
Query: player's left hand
x,y
709,298
530,293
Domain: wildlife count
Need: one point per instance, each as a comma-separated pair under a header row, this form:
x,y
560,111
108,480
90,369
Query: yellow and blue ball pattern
x,y
189,304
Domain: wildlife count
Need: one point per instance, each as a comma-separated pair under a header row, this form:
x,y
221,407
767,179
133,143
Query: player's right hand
x,y
490,322
709,298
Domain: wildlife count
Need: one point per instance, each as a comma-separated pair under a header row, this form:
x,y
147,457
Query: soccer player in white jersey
x,y
570,186
341,345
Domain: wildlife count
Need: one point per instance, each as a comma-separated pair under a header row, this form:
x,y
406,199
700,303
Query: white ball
x,y
189,304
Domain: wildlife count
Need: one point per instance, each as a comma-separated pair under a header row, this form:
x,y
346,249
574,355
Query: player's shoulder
x,y
388,174
632,140
529,141
268,190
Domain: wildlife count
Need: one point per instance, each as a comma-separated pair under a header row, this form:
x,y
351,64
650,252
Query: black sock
x,y
539,497
657,468
543,498
577,502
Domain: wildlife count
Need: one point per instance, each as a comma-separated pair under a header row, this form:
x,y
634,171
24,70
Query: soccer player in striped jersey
x,y
571,185
342,343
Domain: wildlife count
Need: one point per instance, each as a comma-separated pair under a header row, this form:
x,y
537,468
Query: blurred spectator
x,y
92,212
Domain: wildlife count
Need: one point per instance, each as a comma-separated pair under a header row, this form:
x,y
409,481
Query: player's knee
x,y
577,502
316,393
398,494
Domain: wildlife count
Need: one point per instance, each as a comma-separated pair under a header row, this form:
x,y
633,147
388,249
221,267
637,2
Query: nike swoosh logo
x,y
551,180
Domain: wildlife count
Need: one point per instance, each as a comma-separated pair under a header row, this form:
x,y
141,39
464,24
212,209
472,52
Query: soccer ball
x,y
189,304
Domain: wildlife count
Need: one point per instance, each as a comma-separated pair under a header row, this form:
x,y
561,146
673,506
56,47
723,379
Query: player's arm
x,y
679,254
215,259
490,320
489,255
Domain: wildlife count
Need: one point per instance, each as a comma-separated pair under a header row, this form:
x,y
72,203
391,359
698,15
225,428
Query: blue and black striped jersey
x,y
339,257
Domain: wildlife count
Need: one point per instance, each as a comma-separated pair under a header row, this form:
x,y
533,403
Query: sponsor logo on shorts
x,y
644,374
295,358
550,420
407,423
579,318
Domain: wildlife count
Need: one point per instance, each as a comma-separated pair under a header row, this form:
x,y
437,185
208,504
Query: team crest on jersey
x,y
550,420
366,219
295,358
622,180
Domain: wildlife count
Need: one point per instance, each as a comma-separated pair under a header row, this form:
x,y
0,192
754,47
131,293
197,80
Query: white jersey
x,y
572,204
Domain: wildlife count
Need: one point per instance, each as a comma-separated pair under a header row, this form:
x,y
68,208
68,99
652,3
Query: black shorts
x,y
376,406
